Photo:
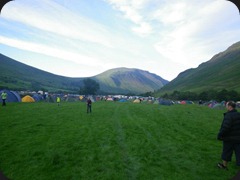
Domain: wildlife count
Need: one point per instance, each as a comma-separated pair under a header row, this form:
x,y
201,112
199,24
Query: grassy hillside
x,y
222,71
116,141
15,75
127,80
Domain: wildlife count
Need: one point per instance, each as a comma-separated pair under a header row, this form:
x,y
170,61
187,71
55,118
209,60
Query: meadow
x,y
117,141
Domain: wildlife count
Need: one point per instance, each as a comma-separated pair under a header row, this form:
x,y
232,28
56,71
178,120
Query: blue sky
x,y
83,38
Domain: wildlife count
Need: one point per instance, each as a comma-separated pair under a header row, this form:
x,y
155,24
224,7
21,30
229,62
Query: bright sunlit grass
x,y
117,141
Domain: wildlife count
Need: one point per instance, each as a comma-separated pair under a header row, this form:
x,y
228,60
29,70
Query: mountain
x,y
16,75
222,71
19,76
127,80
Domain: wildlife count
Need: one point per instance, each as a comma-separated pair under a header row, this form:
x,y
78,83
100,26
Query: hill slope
x,y
127,80
19,76
16,75
221,71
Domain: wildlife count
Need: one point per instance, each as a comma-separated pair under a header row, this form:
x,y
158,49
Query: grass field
x,y
116,141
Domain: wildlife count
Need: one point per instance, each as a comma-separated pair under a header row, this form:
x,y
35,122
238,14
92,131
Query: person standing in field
x,y
89,105
58,100
229,133
4,98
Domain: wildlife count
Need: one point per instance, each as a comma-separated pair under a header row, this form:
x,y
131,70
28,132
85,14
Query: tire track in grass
x,y
103,158
170,148
151,157
129,168
145,148
143,128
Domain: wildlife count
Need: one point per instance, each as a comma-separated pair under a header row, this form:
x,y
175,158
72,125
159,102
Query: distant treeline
x,y
223,95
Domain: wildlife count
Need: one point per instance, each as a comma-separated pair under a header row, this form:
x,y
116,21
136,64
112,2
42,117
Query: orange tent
x,y
27,98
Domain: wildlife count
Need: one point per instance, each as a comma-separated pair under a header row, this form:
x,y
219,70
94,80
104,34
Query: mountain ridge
x,y
127,78
220,72
16,75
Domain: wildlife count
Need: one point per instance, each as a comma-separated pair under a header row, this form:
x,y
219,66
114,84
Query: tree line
x,y
90,86
222,95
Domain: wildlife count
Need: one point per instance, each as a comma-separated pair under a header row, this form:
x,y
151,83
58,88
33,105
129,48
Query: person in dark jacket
x,y
89,105
229,133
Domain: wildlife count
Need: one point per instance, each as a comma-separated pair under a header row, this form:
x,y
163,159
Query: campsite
x,y
118,140
119,90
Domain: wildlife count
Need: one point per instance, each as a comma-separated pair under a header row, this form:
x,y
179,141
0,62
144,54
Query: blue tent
x,y
165,102
37,97
122,100
12,96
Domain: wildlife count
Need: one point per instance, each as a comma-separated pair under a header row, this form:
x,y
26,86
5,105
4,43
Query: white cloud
x,y
190,30
171,13
54,18
132,10
50,51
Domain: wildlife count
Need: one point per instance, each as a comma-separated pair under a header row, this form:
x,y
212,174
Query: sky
x,y
83,38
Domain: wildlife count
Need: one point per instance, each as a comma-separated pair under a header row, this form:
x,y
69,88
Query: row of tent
x,y
162,102
13,96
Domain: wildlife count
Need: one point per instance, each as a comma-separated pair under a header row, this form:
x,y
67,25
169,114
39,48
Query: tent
x,y
218,106
165,102
12,96
186,102
189,102
68,98
150,101
98,98
37,97
109,99
211,104
136,101
183,102
238,104
122,100
27,98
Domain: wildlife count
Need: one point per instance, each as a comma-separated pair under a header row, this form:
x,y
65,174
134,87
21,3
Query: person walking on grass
x,y
229,134
4,98
89,105
58,100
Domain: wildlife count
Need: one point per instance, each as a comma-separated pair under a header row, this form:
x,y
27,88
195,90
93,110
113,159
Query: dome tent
x,y
165,102
123,100
27,98
109,99
12,96
136,101
37,97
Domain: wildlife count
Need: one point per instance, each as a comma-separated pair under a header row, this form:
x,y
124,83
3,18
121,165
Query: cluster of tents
x,y
215,105
13,96
36,97
151,100
218,105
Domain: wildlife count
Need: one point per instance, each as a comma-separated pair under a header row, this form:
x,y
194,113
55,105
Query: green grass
x,y
117,141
